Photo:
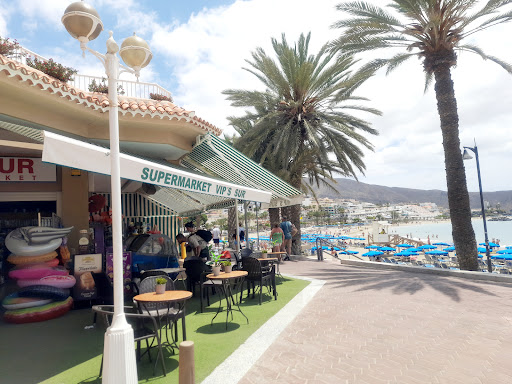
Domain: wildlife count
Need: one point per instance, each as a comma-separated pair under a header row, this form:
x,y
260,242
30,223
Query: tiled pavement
x,y
379,326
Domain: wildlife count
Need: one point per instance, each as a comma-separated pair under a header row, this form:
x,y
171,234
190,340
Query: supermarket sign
x,y
23,169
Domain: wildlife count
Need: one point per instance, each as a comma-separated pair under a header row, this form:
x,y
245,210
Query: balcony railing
x,y
133,89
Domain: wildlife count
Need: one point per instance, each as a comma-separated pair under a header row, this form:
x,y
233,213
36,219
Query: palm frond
x,y
474,49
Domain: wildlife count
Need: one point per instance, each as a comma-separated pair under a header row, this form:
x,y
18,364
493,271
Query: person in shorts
x,y
286,226
216,235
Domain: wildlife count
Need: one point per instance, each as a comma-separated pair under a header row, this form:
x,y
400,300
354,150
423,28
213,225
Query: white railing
x,y
133,89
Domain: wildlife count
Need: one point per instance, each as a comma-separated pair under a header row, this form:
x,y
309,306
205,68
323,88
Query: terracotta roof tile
x,y
99,101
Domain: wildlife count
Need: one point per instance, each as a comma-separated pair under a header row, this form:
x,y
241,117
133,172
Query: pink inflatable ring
x,y
36,272
53,280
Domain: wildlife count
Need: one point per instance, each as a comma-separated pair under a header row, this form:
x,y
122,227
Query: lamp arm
x,y
124,69
100,56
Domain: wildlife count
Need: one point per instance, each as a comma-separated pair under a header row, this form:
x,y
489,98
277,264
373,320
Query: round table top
x,y
167,296
268,259
276,253
225,276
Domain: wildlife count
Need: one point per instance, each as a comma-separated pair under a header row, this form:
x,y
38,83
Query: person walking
x,y
216,235
286,226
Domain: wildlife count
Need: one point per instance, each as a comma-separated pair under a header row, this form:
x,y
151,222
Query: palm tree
x,y
431,30
299,125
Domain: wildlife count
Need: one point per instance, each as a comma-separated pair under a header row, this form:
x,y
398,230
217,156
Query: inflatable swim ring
x,y
43,313
20,260
13,301
42,235
44,292
57,281
36,272
18,244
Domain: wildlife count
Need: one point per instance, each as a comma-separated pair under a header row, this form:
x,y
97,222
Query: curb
x,y
470,275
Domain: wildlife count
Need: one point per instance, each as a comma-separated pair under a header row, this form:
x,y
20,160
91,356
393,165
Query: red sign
x,y
26,169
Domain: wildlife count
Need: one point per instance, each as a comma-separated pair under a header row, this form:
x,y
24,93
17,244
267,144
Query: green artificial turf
x,y
63,351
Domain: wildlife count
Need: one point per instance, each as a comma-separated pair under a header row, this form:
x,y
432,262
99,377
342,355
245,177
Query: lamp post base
x,y
119,364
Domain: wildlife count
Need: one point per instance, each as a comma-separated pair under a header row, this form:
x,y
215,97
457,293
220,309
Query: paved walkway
x,y
378,326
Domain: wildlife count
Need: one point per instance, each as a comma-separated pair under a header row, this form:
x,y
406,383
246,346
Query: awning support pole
x,y
246,226
256,205
237,232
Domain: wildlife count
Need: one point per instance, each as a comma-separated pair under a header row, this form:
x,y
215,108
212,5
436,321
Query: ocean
x,y
442,231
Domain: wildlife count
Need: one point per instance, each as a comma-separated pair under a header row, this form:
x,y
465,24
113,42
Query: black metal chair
x,y
105,290
196,271
145,274
238,259
144,326
245,252
258,275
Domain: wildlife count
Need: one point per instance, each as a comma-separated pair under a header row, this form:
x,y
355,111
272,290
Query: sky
x,y
199,48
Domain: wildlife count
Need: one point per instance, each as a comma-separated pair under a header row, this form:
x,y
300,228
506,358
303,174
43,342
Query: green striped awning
x,y
217,158
182,202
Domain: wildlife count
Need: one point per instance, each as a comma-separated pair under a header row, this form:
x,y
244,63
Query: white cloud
x,y
46,12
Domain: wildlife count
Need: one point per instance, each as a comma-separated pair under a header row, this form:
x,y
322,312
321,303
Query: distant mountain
x,y
377,194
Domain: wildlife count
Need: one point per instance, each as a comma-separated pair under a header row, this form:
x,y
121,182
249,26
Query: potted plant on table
x,y
227,266
215,261
264,254
160,285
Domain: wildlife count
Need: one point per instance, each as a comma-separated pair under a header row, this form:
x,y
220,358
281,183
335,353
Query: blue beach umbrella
x,y
372,247
449,249
491,244
502,257
414,249
406,253
359,238
373,253
426,246
405,245
440,243
437,253
387,249
351,252
505,251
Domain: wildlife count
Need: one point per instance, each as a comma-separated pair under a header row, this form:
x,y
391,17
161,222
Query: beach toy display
x,y
44,292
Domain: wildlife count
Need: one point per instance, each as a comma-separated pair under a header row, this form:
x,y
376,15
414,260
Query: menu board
x,y
84,266
127,268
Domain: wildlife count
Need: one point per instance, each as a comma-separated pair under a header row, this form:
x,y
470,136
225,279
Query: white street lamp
x,y
84,24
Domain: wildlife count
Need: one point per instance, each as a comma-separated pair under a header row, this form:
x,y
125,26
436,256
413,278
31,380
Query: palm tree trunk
x,y
294,215
273,216
458,197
